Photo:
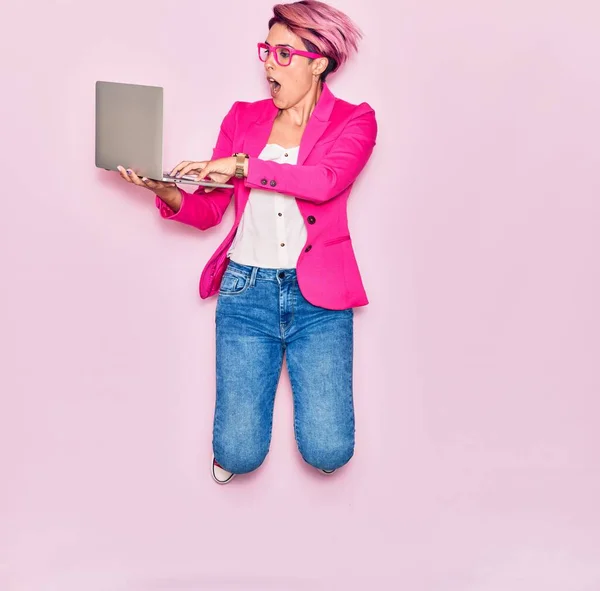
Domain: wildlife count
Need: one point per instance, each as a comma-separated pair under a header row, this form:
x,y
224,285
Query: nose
x,y
270,61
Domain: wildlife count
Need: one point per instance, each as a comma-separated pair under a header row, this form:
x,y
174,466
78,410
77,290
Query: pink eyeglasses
x,y
283,55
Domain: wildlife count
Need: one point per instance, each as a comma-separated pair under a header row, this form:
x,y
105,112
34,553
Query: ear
x,y
320,65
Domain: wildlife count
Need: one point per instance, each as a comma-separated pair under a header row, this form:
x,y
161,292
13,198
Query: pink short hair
x,y
322,28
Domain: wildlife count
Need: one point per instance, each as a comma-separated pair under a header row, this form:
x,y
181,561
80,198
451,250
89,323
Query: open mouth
x,y
275,86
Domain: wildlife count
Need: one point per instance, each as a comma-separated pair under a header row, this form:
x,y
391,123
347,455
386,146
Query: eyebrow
x,y
280,45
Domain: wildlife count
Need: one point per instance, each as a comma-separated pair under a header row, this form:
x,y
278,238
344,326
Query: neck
x,y
300,113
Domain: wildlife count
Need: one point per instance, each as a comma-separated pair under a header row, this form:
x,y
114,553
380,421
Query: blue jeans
x,y
261,315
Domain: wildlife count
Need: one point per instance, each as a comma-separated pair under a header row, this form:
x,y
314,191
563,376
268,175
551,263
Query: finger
x,y
135,179
205,171
192,166
123,174
181,165
150,184
156,185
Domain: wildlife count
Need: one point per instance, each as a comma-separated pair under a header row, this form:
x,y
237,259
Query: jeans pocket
x,y
233,283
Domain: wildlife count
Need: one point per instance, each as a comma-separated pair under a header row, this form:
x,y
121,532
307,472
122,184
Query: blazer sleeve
x,y
199,209
335,173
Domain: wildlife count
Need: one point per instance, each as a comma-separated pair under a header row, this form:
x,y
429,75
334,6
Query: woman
x,y
286,275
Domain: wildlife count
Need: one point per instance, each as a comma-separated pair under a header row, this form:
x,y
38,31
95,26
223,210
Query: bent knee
x,y
239,459
327,454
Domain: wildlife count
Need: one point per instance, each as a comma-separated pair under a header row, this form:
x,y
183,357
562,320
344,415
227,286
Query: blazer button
x,y
273,184
263,182
308,248
311,219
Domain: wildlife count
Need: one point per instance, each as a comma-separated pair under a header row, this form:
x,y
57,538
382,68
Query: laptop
x,y
129,132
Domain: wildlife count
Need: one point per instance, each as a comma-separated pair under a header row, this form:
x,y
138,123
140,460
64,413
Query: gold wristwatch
x,y
239,164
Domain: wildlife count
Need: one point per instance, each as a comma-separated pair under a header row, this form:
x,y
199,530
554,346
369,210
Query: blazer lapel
x,y
317,124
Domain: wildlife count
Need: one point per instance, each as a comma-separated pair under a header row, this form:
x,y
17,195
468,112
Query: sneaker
x,y
328,471
219,474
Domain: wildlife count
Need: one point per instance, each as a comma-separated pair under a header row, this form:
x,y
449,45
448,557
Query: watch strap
x,y
240,160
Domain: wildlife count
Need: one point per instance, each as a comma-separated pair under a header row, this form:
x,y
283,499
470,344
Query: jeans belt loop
x,y
253,276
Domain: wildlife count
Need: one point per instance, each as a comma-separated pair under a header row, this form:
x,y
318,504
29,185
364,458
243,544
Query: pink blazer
x,y
337,143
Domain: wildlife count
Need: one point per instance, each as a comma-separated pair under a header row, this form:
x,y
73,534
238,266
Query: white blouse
x,y
271,233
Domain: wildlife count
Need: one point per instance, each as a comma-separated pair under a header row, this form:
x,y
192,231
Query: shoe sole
x,y
212,472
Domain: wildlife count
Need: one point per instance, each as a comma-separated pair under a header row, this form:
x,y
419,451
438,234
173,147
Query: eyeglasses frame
x,y
293,51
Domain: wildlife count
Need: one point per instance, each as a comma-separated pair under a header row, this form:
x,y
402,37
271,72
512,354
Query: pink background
x,y
476,225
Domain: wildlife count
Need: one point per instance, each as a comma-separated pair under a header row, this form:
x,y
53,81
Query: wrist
x,y
171,196
167,192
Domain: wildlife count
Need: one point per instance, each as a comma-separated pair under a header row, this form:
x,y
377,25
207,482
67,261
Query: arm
x,y
199,209
335,173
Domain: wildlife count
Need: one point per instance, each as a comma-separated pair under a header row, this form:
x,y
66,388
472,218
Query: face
x,y
290,84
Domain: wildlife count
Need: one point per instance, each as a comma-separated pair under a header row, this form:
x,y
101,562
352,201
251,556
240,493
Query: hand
x,y
157,187
220,170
